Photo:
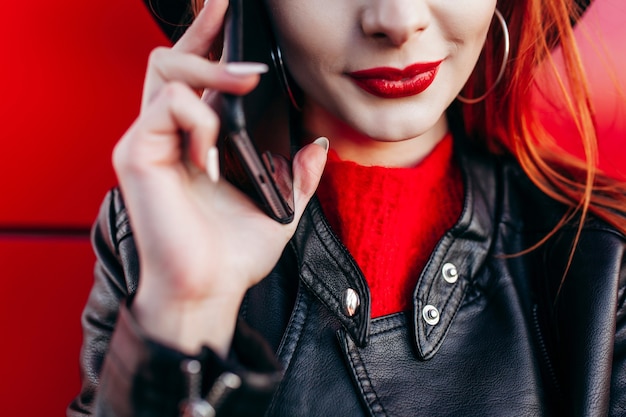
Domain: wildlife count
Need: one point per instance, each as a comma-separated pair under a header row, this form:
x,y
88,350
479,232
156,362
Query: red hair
x,y
506,120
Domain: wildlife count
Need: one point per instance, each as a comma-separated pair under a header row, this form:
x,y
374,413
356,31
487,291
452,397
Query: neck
x,y
351,145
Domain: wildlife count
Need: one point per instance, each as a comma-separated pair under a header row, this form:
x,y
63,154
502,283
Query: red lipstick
x,y
389,82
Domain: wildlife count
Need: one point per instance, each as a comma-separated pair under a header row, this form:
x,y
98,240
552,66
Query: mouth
x,y
387,82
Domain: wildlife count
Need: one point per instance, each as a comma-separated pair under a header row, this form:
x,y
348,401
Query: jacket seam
x,y
291,328
355,355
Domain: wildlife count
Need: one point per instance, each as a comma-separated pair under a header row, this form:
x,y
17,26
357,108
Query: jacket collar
x,y
330,273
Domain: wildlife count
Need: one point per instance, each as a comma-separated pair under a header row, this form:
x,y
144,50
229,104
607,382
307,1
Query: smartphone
x,y
270,175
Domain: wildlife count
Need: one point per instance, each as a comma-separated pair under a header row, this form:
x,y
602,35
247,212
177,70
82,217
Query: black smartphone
x,y
270,175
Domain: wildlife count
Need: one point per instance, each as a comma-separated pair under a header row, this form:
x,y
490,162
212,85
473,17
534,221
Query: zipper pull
x,y
223,386
194,405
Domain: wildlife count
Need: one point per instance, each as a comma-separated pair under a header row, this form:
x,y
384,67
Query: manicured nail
x,y
246,68
323,142
213,165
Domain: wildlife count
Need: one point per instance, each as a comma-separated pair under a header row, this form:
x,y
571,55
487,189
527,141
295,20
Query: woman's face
x,y
386,68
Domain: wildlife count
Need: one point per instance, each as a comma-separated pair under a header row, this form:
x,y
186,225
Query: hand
x,y
201,243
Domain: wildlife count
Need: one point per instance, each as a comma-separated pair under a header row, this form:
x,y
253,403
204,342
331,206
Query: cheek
x,y
467,23
467,30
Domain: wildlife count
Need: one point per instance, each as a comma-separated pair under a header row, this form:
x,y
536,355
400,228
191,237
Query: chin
x,y
389,121
394,129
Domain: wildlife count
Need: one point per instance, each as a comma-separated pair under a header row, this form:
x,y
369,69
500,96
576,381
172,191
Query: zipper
x,y
196,406
544,349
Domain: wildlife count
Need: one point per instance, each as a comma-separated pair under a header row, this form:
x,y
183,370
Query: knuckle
x,y
208,125
210,120
175,90
174,94
160,61
119,156
124,156
158,55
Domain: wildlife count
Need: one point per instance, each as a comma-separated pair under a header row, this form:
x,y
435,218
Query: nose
x,y
394,20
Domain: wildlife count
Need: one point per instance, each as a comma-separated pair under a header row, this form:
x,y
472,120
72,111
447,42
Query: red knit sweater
x,y
390,219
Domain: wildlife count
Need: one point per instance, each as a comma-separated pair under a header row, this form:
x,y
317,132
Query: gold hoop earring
x,y
277,60
505,59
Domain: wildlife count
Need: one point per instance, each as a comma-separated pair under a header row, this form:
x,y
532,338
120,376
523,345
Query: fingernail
x,y
213,165
323,142
246,68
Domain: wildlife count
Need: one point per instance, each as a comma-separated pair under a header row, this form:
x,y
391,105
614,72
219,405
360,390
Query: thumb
x,y
308,166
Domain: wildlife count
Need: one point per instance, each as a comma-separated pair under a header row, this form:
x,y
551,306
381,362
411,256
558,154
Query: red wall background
x,y
70,84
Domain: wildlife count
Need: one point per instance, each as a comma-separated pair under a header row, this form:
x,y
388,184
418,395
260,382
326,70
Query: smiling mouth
x,y
387,82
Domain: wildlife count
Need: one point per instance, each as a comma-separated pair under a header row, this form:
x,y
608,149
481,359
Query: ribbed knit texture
x,y
390,219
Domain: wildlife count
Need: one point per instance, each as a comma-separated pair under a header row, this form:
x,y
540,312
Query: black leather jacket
x,y
498,338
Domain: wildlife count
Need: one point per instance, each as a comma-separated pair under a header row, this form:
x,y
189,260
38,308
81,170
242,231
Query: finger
x,y
155,140
236,77
199,37
167,65
308,166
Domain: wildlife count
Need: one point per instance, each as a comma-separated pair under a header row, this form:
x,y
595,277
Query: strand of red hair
x,y
508,121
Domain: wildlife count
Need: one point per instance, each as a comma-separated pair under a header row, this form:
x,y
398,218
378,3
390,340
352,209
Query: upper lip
x,y
395,74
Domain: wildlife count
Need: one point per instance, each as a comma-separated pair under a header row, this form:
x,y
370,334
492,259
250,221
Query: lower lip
x,y
394,88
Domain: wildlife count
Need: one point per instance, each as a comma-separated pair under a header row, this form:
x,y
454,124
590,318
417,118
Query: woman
x,y
447,266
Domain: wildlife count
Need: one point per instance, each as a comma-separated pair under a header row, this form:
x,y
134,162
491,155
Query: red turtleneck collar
x,y
390,219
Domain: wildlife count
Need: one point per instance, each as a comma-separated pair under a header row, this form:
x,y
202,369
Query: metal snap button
x,y
430,314
198,408
450,273
351,302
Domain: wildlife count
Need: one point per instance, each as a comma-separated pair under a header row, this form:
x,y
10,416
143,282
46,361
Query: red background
x,y
71,78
